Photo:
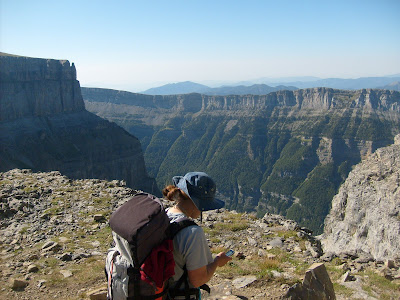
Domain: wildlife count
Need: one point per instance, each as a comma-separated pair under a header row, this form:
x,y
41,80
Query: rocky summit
x,y
54,235
365,214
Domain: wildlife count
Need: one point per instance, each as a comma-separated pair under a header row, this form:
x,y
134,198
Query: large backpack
x,y
140,264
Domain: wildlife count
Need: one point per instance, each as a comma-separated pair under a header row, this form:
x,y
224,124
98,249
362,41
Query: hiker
x,y
194,264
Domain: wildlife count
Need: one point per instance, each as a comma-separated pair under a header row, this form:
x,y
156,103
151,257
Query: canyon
x,y
286,152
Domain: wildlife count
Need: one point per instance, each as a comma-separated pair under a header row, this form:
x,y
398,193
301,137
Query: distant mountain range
x,y
188,87
244,88
394,86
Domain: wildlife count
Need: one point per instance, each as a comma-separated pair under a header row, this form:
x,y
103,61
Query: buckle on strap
x,y
206,288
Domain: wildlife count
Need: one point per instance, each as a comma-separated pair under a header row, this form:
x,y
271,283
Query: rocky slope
x,y
54,235
44,126
365,214
286,152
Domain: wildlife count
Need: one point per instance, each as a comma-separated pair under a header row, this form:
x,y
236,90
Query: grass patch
x,y
90,271
24,230
55,210
217,250
288,234
377,283
51,262
215,240
260,267
210,232
232,226
334,272
342,290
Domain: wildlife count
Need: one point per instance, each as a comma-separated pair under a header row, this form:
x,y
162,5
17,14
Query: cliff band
x,y
44,126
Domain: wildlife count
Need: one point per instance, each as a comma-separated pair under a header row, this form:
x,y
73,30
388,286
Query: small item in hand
x,y
229,253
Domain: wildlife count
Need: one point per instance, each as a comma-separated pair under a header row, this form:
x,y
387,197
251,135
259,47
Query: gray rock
x,y
316,285
367,208
48,244
252,242
276,242
347,277
51,246
244,281
218,291
32,269
66,273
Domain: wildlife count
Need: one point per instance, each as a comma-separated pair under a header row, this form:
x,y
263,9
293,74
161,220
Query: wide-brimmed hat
x,y
200,188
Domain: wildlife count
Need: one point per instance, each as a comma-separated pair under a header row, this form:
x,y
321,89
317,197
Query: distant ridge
x,y
185,87
267,85
188,87
349,84
394,86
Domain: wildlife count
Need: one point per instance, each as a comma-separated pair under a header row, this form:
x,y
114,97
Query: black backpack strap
x,y
134,277
187,291
178,225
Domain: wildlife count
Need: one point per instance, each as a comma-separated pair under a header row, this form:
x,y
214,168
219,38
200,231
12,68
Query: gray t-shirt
x,y
190,248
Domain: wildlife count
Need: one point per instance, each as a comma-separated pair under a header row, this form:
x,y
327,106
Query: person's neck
x,y
180,209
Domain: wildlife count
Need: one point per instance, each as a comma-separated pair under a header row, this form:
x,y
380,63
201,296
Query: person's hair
x,y
173,193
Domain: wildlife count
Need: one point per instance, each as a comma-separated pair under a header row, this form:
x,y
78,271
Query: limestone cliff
x,y
365,214
44,126
286,152
33,87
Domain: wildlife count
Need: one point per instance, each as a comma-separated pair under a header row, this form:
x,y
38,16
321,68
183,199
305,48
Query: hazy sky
x,y
134,45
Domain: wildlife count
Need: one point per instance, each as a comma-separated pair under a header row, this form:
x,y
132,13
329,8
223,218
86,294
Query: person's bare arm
x,y
202,275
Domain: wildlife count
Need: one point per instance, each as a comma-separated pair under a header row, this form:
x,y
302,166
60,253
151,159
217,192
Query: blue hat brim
x,y
203,204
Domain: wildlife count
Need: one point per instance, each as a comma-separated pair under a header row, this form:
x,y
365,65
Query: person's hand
x,y
222,259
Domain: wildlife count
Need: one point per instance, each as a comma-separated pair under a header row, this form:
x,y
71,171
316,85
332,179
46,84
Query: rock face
x,y
34,87
285,153
365,214
44,126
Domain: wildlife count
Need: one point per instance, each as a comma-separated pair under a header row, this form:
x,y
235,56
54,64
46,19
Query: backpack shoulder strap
x,y
178,225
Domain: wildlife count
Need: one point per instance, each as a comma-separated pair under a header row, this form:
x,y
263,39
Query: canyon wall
x,y
44,126
286,152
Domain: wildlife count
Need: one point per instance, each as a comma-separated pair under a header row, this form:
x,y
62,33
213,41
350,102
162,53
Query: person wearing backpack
x,y
194,264
159,254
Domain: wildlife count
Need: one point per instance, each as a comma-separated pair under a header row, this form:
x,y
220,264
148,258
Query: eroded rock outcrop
x,y
44,126
365,214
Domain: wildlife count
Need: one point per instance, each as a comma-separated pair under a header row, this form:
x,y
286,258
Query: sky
x,y
135,45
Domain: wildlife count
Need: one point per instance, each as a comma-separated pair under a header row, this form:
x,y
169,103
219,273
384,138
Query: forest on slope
x,y
286,152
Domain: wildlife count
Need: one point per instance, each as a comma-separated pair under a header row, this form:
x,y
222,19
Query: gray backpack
x,y
141,230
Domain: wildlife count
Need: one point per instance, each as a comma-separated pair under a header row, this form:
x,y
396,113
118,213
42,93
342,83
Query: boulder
x,y
316,285
17,284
